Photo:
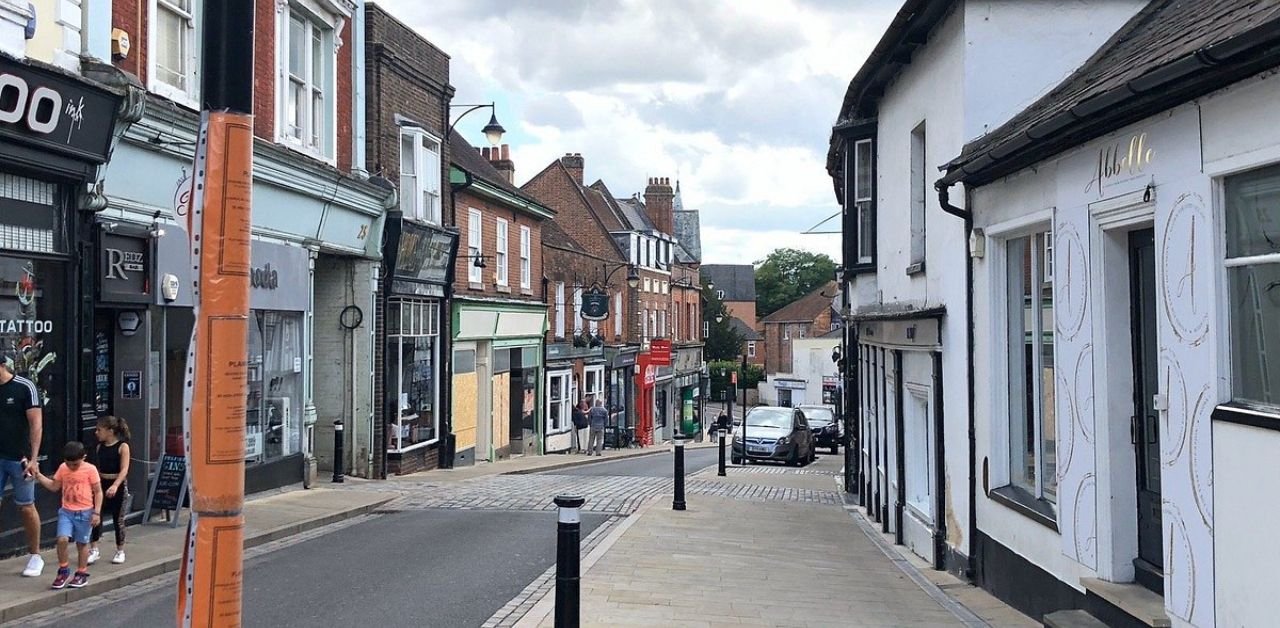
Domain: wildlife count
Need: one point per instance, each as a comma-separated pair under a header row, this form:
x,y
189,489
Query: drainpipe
x,y
944,201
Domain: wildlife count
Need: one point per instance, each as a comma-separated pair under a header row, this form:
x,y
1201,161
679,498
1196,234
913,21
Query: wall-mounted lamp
x,y
492,131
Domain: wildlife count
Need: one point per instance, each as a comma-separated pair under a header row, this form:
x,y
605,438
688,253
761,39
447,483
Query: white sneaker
x,y
94,555
35,566
118,559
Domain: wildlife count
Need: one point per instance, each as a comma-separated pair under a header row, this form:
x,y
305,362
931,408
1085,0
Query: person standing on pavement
x,y
597,418
81,490
21,425
579,424
112,459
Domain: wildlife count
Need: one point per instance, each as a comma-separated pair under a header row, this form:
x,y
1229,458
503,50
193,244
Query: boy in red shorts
x,y
81,507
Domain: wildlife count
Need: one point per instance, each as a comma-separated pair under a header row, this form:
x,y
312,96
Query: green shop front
x,y
498,403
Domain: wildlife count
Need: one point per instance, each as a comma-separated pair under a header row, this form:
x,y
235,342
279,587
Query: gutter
x,y
944,201
1207,57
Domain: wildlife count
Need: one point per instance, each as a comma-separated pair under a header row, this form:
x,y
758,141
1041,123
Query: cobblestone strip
x,y
524,601
58,616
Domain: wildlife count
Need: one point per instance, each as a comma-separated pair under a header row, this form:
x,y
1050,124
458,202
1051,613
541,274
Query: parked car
x,y
774,433
824,425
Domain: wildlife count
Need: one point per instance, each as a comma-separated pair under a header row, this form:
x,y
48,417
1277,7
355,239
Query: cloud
x,y
736,99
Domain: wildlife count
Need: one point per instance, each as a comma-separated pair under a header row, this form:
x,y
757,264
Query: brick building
x,y
317,224
735,286
809,316
499,307
408,95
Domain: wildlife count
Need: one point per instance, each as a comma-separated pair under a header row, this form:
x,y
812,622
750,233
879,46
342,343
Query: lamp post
x,y
492,131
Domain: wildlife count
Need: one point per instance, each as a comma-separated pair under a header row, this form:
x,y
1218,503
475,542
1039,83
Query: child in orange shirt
x,y
81,507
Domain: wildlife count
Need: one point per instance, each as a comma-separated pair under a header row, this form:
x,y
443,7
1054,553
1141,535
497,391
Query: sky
x,y
734,98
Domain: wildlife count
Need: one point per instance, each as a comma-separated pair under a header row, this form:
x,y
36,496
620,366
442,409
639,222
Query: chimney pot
x,y
506,151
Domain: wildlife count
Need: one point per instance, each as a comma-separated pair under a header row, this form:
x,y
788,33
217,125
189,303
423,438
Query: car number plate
x,y
756,449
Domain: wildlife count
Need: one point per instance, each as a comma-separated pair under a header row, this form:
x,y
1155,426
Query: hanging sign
x,y
595,304
660,352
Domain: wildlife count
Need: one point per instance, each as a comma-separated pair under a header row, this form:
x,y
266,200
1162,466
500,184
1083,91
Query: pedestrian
x,y
21,421
81,490
597,417
112,458
579,424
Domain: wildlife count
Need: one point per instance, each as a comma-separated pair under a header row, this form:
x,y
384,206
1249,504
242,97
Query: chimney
x,y
658,198
501,160
573,163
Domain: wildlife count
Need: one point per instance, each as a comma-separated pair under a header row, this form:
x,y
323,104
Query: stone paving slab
x,y
155,549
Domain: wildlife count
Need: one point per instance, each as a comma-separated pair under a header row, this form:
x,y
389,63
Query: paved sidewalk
x,y
156,548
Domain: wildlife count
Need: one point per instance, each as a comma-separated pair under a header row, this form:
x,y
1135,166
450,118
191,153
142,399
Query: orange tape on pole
x,y
210,584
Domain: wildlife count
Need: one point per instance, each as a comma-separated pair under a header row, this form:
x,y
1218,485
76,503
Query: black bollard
x,y
567,556
338,456
721,471
678,502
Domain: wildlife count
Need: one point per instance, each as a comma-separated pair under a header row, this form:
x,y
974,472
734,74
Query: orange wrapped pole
x,y
219,225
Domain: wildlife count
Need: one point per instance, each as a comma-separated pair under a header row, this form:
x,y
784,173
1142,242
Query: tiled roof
x,y
746,331
689,234
807,307
737,280
553,235
598,196
465,156
633,212
1150,58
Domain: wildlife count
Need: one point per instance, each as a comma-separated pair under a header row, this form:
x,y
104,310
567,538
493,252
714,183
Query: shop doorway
x,y
1145,427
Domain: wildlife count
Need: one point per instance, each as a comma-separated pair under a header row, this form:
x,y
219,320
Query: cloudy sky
x,y
734,98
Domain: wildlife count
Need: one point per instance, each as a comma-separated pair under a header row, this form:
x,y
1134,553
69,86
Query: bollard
x,y
338,456
721,471
568,532
678,502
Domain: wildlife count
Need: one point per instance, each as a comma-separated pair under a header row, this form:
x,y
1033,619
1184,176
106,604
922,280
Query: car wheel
x,y
737,460
835,449
793,460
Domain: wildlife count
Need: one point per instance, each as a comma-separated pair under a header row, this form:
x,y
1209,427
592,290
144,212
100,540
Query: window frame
x,y
860,206
560,307
1257,413
502,232
565,423
326,17
188,97
427,179
526,257
475,246
751,348
428,326
919,199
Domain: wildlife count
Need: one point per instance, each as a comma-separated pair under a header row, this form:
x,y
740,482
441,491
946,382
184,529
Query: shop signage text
x,y
124,269
120,263
26,327
266,278
660,352
1121,159
42,108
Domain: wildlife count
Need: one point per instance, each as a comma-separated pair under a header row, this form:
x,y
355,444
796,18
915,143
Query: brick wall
x,y
574,268
264,69
744,311
130,16
779,346
555,188
488,287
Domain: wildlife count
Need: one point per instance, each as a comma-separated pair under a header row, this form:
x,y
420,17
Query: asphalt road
x,y
655,466
414,568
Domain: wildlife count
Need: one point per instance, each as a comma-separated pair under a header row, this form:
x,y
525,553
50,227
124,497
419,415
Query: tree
x,y
723,342
788,274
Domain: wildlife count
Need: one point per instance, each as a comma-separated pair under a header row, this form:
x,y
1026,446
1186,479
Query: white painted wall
x,y
1247,501
1018,50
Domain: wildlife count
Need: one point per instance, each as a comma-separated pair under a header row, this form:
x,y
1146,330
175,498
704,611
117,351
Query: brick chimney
x,y
573,163
501,160
658,198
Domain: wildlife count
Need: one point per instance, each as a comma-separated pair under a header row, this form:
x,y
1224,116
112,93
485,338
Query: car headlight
x,y
737,438
782,441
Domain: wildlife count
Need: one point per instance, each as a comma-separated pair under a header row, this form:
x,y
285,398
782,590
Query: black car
x,y
824,426
774,433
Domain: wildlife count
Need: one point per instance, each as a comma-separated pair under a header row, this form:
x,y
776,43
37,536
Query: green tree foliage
x,y
788,274
723,342
720,378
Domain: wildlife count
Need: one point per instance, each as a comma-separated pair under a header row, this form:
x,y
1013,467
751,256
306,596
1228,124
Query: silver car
x,y
774,433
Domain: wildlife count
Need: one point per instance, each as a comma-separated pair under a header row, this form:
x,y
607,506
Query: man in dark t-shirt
x,y
21,423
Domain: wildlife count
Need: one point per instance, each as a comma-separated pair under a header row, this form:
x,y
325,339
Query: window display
x,y
274,405
413,327
33,334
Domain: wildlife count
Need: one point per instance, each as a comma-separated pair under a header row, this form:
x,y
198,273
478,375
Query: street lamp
x,y
633,275
492,131
719,318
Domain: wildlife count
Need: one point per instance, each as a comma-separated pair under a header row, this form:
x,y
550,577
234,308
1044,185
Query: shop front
x,y
48,159
413,345
573,373
687,364
620,394
497,408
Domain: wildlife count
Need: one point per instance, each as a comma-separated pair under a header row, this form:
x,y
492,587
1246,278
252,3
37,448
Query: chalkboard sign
x,y
168,488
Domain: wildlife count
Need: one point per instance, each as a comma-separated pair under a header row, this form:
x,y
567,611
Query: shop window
x,y
27,228
273,413
306,102
916,436
1253,274
173,50
1029,355
419,175
413,329
559,402
593,386
34,310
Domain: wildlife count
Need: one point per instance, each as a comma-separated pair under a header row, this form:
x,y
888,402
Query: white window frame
x,y
751,348
647,285
720,294
475,245
500,255
565,403
526,262
426,184
918,441
329,17
593,375
919,197
577,309
706,329
864,201
418,319
644,324
187,97
786,332
617,313
666,287
560,305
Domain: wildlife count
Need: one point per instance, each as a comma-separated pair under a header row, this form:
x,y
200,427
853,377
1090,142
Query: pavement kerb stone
x,y
139,572
665,447
547,605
